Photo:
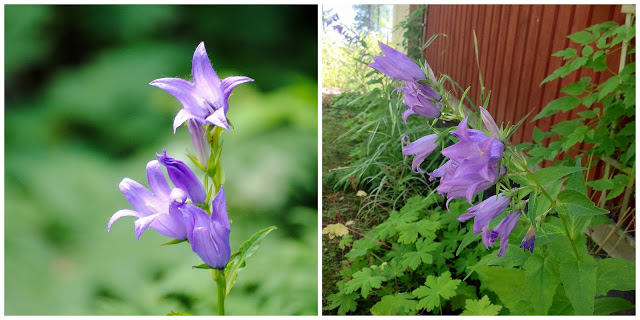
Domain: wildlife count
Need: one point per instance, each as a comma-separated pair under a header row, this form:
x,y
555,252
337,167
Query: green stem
x,y
218,277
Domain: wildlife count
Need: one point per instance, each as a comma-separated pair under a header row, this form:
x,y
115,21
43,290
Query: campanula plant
x,y
195,210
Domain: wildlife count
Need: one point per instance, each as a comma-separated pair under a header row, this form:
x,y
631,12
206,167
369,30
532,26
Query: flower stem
x,y
218,277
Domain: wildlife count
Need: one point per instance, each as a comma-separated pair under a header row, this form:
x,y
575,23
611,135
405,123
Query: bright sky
x,y
344,11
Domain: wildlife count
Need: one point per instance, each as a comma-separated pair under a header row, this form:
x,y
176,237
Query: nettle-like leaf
x,y
482,307
579,281
563,104
361,247
541,278
572,202
615,274
365,280
397,304
609,305
509,285
434,289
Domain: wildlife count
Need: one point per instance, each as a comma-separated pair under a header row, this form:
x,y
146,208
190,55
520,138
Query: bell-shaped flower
x,y
183,178
473,166
206,99
199,141
486,211
209,235
421,148
152,208
419,98
503,230
397,65
529,239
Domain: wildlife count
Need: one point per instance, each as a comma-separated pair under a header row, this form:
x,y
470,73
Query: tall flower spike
x,y
206,99
486,211
209,235
421,148
153,208
183,178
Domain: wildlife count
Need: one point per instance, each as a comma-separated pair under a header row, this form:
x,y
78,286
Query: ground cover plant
x,y
425,258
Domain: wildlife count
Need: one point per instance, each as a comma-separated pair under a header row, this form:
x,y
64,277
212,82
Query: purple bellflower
x,y
502,231
421,148
183,178
529,239
206,99
209,235
158,208
486,211
199,141
473,164
489,123
417,95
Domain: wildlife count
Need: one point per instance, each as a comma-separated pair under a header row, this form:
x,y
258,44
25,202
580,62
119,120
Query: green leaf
x,y
608,305
563,104
551,174
202,266
365,281
576,180
435,288
620,182
397,304
426,228
361,247
174,241
615,274
573,202
566,53
579,281
608,86
413,259
601,184
532,207
464,292
509,285
575,89
589,99
587,50
600,63
345,302
589,113
335,230
236,264
469,238
581,37
538,135
601,26
541,278
482,307
576,136
345,241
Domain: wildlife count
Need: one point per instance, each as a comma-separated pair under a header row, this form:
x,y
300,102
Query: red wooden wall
x,y
515,43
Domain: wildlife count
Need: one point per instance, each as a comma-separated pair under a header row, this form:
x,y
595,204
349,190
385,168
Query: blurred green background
x,y
80,116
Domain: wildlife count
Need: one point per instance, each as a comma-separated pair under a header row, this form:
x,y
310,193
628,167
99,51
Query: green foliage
x,y
397,304
482,307
435,288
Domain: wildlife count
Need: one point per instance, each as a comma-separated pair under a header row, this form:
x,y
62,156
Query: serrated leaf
x,y
509,285
576,180
482,307
247,248
589,113
615,274
344,302
609,305
541,280
608,86
575,89
600,63
551,174
413,259
576,136
335,230
601,184
345,241
620,182
581,37
589,99
435,288
579,281
573,202
563,104
538,135
364,281
587,50
397,304
361,247
566,53
464,292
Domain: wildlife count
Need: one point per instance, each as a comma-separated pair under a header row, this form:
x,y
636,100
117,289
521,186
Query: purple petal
x,y
228,84
120,214
182,116
137,195
157,180
219,209
210,249
406,114
410,70
204,77
183,178
143,223
487,240
193,217
199,141
219,119
185,92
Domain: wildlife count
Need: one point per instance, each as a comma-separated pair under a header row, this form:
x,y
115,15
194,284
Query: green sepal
x,y
194,159
203,266
174,241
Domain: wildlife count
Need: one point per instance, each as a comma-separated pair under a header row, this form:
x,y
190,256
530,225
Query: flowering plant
x,y
187,212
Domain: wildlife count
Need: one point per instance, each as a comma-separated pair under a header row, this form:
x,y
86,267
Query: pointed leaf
x,y
246,250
